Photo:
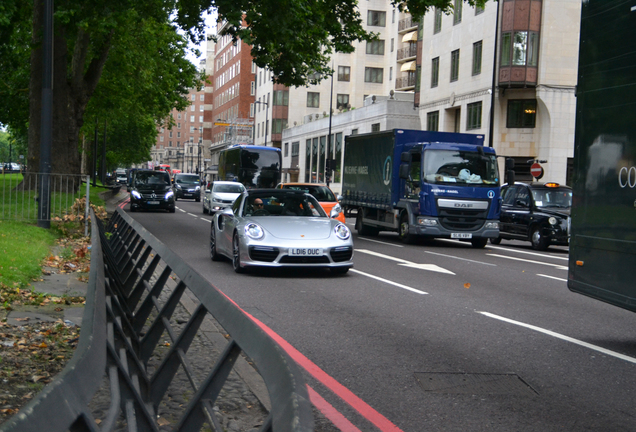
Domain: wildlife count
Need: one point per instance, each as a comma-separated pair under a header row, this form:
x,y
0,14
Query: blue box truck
x,y
422,184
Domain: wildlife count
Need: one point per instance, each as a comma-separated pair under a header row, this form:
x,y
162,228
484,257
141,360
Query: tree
x,y
115,56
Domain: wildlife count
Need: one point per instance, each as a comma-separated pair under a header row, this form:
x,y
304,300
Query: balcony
x,y
407,24
407,53
405,82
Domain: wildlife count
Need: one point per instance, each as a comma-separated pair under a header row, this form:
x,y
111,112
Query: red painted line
x,y
330,412
341,391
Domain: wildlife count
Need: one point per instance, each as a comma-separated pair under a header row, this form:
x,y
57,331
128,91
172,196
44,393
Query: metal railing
x,y
135,286
19,195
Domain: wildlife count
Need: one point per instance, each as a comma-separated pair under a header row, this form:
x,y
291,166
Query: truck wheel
x,y
479,243
363,229
539,241
405,236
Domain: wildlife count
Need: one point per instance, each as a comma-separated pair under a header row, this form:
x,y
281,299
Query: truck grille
x,y
462,219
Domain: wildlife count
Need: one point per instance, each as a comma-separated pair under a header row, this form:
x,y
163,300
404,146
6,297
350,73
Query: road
x,y
436,336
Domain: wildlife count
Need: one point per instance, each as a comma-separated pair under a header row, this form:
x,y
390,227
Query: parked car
x,y
187,186
150,190
537,212
280,228
220,195
321,192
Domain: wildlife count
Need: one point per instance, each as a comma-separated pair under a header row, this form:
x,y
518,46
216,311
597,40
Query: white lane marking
x,y
558,266
204,219
463,259
429,267
527,252
181,210
381,242
388,281
191,214
552,277
562,337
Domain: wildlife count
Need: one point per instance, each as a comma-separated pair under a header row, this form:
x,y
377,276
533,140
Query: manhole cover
x,y
473,383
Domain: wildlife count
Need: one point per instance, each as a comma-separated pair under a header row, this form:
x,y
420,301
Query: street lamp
x,y
266,106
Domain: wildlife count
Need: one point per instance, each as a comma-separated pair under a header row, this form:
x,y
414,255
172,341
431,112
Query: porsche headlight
x,y
552,221
342,232
136,194
168,195
254,231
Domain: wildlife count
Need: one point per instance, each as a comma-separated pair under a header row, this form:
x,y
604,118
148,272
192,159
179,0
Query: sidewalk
x,y
60,285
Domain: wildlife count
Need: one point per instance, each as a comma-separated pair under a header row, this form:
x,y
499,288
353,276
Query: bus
x,y
253,166
603,219
163,167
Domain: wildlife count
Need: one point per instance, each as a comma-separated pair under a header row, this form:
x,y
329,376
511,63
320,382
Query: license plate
x,y
461,235
187,194
153,202
305,251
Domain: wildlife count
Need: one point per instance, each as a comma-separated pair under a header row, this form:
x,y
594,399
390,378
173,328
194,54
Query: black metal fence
x,y
135,286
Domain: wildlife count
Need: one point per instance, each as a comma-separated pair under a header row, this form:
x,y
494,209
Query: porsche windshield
x,y
463,167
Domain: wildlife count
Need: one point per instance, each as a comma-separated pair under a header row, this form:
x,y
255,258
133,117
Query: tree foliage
x,y
123,63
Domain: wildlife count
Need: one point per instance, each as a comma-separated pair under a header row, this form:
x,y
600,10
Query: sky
x,y
210,20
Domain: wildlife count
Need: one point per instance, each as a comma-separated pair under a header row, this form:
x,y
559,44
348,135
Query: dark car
x,y
151,190
187,186
537,212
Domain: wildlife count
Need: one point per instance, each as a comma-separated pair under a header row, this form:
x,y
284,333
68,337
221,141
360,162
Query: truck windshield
x,y
452,166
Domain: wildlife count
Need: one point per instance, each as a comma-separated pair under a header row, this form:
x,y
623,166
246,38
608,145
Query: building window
x,y
193,97
286,150
375,127
392,44
295,148
200,119
281,97
477,58
519,48
437,26
434,72
454,68
278,125
354,131
344,73
390,73
170,134
432,121
253,88
313,99
375,47
457,11
161,138
251,110
342,101
192,107
473,119
178,134
373,75
376,18
522,113
201,98
169,143
192,119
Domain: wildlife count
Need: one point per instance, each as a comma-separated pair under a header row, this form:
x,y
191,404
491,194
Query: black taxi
x,y
537,212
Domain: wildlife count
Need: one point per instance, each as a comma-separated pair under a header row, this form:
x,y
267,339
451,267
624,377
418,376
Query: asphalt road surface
x,y
436,336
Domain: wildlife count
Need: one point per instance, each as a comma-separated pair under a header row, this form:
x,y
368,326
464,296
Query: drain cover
x,y
474,383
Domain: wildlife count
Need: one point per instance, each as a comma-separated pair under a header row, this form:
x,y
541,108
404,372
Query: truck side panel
x,y
368,167
603,242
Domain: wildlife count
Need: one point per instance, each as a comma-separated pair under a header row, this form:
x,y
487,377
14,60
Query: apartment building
x,y
181,146
507,71
232,88
369,70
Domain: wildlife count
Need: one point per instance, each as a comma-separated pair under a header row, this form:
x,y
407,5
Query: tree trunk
x,y
72,89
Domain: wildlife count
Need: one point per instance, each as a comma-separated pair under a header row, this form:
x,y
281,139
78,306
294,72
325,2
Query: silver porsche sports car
x,y
280,228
